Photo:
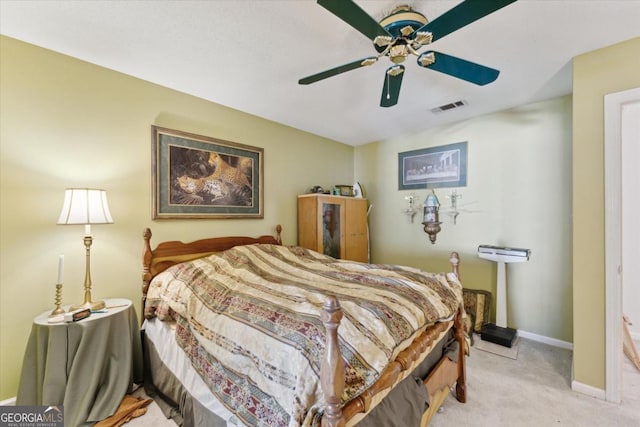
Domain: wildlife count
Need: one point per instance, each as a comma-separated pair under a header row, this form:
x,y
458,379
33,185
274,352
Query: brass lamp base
x,y
92,305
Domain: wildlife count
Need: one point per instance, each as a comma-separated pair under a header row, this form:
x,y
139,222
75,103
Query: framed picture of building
x,y
434,167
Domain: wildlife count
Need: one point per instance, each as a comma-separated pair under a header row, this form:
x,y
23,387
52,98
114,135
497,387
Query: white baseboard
x,y
8,402
545,340
579,387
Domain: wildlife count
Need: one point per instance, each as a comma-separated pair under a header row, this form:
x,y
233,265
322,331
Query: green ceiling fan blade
x,y
351,13
463,14
456,67
337,70
391,88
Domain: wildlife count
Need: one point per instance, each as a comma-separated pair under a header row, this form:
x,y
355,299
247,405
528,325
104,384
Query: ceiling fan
x,y
405,32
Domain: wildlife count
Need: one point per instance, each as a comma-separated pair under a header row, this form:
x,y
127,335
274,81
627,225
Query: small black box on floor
x,y
498,335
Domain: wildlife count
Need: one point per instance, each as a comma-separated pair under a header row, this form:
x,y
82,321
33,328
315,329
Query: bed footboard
x,y
439,382
447,373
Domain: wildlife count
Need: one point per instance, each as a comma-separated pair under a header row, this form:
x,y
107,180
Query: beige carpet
x,y
532,390
535,391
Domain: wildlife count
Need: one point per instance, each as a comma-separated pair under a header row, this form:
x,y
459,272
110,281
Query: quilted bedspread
x,y
249,320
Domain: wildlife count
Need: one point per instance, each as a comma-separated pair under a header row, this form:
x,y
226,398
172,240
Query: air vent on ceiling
x,y
448,107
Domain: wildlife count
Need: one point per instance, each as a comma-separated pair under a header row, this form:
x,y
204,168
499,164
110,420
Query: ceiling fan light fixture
x,y
407,30
398,53
423,37
426,59
383,41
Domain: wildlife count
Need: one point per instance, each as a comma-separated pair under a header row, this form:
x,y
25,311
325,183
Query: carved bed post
x,y
279,234
461,384
332,367
146,268
454,259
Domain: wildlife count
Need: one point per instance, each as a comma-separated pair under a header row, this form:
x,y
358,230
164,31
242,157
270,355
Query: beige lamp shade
x,y
85,206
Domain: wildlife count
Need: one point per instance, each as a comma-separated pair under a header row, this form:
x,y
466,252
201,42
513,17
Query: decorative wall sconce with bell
x,y
431,218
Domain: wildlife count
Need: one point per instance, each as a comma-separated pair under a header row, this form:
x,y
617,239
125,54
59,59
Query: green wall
x,y
518,194
595,74
68,123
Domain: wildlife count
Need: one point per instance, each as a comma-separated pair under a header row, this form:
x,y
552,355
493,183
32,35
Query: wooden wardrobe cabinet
x,y
334,225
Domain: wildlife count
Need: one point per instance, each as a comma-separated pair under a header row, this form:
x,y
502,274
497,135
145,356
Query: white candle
x,y
60,268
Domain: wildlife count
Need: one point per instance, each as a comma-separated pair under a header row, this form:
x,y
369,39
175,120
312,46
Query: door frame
x,y
613,106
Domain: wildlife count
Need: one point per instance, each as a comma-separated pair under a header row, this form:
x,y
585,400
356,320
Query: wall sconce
x,y
431,218
86,206
454,212
412,210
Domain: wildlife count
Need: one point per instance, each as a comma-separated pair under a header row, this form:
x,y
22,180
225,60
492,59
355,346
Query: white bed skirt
x,y
162,335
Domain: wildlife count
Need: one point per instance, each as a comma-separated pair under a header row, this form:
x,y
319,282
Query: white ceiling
x,y
249,55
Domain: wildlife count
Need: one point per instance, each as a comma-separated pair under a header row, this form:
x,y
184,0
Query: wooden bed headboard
x,y
166,254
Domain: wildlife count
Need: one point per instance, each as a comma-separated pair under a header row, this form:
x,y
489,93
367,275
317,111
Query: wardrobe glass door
x,y
331,229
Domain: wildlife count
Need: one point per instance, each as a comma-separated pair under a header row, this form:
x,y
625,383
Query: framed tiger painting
x,y
198,176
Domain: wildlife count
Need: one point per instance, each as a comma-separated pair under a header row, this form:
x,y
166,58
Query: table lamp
x,y
86,206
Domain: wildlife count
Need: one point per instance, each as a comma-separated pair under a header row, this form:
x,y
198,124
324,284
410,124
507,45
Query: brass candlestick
x,y
58,301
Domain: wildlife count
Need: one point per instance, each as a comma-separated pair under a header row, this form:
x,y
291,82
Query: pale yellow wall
x,y
518,194
68,123
595,74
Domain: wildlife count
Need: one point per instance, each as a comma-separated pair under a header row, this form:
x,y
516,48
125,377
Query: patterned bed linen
x,y
249,320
